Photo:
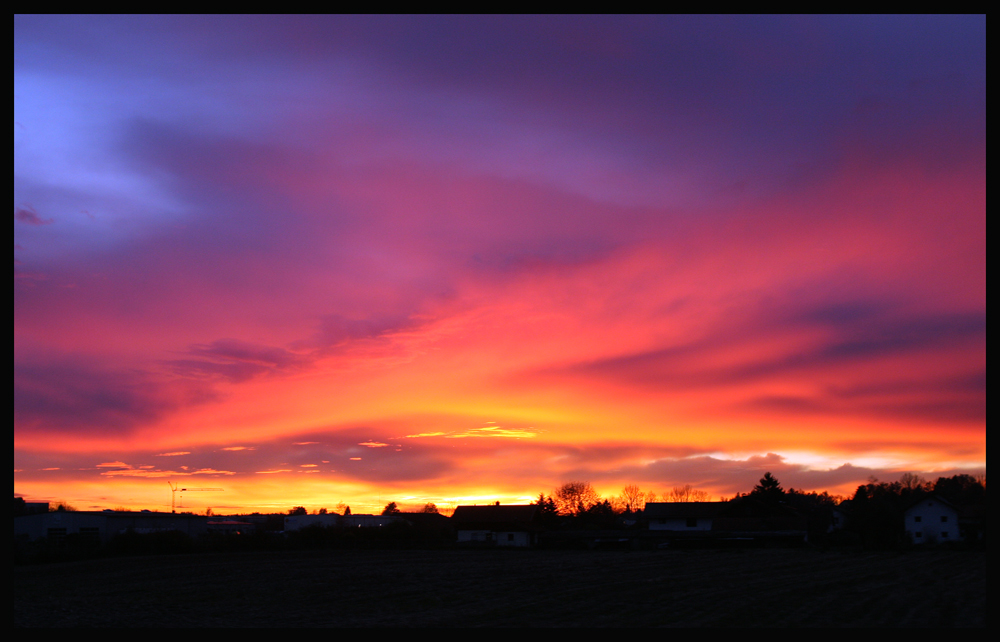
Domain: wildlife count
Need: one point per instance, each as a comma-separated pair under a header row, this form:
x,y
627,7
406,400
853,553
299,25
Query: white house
x,y
495,525
932,520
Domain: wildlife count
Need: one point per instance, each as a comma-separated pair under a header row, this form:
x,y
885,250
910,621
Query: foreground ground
x,y
509,588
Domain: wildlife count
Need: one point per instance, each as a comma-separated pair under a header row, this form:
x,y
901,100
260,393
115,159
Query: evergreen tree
x,y
548,513
768,489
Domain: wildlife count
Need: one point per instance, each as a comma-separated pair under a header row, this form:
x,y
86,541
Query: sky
x,y
314,260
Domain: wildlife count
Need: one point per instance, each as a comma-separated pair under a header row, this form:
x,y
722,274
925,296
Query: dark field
x,y
509,588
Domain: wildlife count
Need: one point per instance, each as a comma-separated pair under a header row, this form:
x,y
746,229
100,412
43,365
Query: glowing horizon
x,y
352,259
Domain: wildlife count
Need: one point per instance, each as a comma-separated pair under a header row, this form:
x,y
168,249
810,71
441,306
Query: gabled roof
x,y
928,498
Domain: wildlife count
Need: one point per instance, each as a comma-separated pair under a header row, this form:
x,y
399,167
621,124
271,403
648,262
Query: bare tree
x,y
575,498
631,500
911,481
686,493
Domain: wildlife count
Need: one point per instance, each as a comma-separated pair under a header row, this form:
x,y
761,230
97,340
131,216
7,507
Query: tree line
x,y
872,502
575,499
874,512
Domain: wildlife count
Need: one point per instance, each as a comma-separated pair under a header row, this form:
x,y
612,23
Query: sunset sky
x,y
323,259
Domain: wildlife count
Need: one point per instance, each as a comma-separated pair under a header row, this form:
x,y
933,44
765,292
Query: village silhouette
x,y
911,512
563,560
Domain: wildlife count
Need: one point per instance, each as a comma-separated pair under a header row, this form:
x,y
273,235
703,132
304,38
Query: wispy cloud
x,y
125,470
494,431
237,360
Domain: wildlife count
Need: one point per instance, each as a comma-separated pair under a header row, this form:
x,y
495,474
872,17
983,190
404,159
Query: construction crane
x,y
175,488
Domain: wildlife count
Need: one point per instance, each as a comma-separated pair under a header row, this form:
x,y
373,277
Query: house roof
x,y
683,510
494,516
740,514
931,498
427,520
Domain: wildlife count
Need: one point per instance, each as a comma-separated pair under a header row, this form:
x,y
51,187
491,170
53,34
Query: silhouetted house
x,y
22,507
297,522
932,520
839,516
972,523
682,516
102,525
495,525
744,518
430,526
230,526
367,521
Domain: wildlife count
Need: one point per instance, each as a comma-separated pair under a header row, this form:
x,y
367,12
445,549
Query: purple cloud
x,y
28,215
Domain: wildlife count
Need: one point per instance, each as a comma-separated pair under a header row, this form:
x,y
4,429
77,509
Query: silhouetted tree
x,y
961,490
768,489
430,508
600,515
298,510
390,509
574,498
817,508
802,500
631,499
877,514
548,513
877,508
686,493
912,482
